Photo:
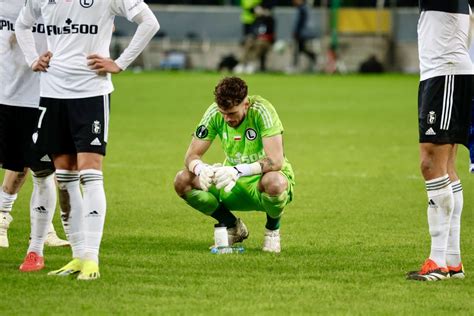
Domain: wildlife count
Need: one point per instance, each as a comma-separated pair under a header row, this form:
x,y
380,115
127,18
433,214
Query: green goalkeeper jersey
x,y
244,143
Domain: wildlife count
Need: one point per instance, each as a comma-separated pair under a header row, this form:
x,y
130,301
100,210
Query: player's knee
x,y
274,183
182,182
426,165
42,173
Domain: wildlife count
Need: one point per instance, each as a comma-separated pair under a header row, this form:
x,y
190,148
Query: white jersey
x,y
76,29
19,84
443,29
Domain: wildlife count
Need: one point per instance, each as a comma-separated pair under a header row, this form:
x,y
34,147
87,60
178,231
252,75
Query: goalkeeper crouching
x,y
255,175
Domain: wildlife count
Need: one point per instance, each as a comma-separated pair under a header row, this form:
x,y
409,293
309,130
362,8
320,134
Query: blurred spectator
x,y
303,31
371,65
258,43
248,16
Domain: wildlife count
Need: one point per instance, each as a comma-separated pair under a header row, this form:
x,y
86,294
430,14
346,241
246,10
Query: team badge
x,y
52,2
202,132
96,127
250,134
431,118
86,3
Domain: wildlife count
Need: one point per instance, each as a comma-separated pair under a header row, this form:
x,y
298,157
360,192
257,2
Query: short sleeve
x,y
266,119
127,8
207,127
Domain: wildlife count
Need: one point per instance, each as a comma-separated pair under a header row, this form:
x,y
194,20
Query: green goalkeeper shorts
x,y
245,196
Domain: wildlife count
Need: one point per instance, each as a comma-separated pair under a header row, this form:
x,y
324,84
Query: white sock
x,y
71,202
94,211
440,208
42,207
453,252
6,201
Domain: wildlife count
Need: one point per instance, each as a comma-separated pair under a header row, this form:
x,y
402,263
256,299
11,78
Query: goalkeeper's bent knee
x,y
274,204
202,201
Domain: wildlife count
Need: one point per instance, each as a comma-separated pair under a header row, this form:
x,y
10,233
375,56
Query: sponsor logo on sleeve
x,y
202,131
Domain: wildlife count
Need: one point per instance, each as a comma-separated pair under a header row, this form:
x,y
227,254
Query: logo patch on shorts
x,y
431,117
202,131
430,132
250,134
96,127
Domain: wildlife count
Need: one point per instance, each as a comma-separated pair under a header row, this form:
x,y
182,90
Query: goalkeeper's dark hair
x,y
229,92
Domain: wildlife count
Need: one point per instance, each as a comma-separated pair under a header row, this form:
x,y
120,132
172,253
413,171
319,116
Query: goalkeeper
x,y
255,175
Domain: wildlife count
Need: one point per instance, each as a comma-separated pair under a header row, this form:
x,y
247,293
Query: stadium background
x,y
357,224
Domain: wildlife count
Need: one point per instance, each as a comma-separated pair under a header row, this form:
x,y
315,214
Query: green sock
x,y
202,201
223,215
274,204
272,223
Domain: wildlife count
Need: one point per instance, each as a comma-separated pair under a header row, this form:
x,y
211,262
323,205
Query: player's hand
x,y
226,177
102,65
42,64
206,177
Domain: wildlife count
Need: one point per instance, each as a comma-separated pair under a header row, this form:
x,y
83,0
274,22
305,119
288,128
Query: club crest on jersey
x,y
96,127
431,118
51,1
250,134
202,131
86,3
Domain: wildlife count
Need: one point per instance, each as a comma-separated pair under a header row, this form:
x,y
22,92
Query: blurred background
x,y
287,36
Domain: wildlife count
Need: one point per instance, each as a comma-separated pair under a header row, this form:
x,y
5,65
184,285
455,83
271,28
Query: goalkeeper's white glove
x,y
226,177
204,172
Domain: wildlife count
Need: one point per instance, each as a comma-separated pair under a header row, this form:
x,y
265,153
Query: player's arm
x,y
24,37
147,27
195,165
273,147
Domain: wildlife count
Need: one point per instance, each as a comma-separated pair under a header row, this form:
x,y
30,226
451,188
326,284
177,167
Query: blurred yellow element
x,y
363,21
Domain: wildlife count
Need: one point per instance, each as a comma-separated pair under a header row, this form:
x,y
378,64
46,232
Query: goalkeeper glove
x,y
204,172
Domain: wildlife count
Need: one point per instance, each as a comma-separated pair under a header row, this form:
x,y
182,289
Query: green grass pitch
x,y
356,225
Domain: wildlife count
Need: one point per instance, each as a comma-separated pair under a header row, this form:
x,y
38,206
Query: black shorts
x,y
17,125
444,109
69,126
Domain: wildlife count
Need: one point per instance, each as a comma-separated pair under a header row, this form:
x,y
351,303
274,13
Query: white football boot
x,y
271,241
5,220
52,240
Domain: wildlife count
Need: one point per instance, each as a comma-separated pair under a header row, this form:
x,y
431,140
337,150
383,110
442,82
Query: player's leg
x,y
434,161
71,202
443,117
186,185
42,207
12,183
94,212
453,250
274,196
89,120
